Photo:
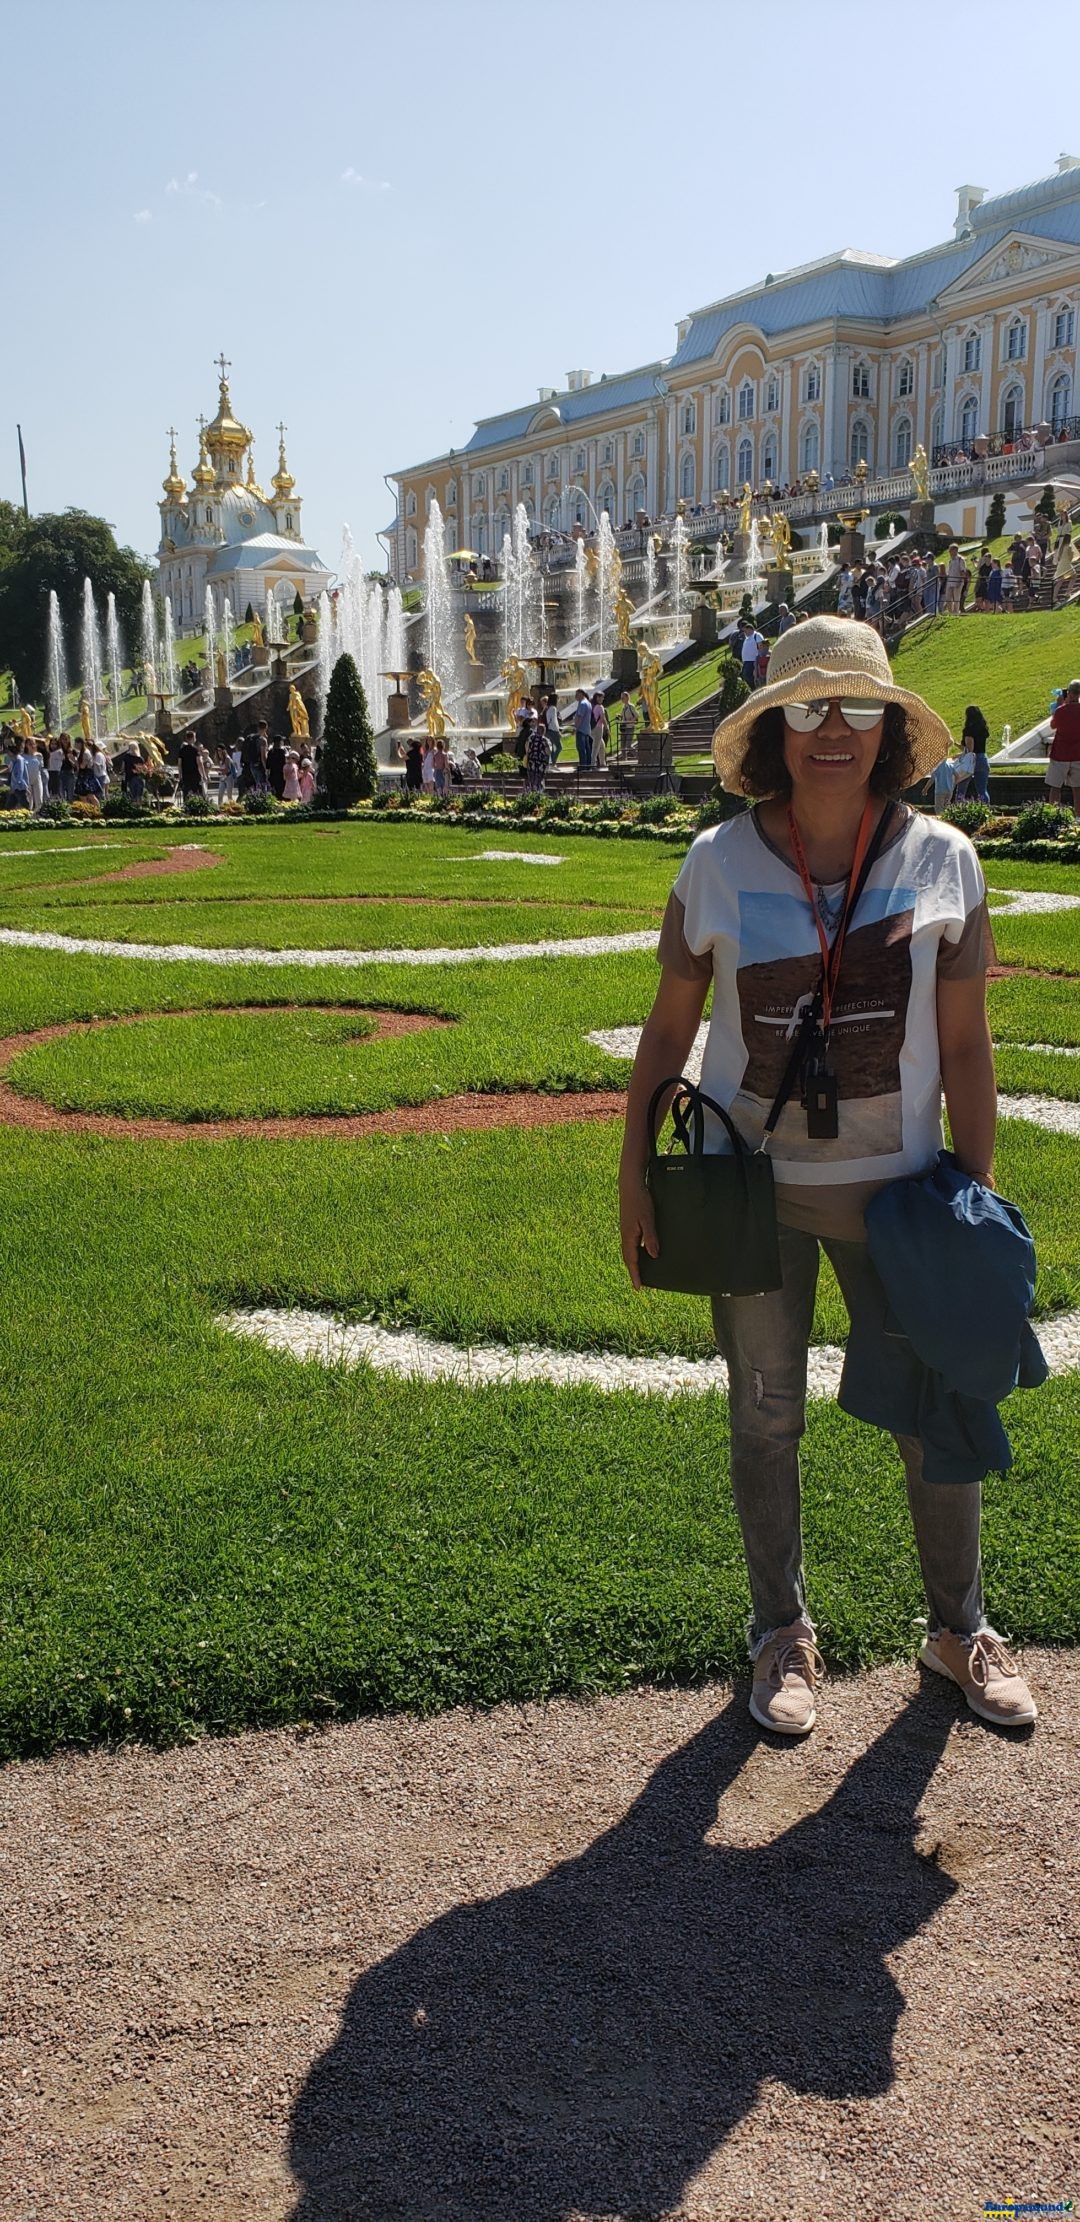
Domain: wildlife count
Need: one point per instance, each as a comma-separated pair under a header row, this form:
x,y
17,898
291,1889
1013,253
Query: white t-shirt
x,y
744,914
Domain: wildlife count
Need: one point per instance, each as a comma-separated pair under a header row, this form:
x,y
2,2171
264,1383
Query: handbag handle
x,y
688,1106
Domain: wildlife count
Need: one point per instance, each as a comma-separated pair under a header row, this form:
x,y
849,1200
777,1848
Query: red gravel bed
x,y
445,1115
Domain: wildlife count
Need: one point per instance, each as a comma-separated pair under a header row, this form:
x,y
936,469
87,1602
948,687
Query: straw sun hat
x,y
829,656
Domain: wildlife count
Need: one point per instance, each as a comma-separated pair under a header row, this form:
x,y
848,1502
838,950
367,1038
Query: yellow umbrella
x,y
462,555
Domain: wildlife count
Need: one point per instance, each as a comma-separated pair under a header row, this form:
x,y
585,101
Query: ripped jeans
x,y
765,1341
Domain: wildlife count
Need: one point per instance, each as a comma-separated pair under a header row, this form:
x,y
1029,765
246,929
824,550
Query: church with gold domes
x,y
224,532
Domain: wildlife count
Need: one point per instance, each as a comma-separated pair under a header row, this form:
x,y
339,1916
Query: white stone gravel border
x,y
1028,902
180,952
315,1336
507,856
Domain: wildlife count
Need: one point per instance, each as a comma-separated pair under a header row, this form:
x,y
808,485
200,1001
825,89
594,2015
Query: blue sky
x,y
397,218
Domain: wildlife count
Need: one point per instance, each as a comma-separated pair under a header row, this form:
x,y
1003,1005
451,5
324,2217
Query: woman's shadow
x,y
582,2045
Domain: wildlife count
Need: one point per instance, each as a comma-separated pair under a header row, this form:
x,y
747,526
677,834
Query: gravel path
x,y
623,1959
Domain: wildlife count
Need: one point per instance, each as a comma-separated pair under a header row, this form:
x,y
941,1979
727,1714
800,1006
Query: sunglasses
x,y
805,717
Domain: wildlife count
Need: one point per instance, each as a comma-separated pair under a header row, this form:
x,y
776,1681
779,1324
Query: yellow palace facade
x,y
856,358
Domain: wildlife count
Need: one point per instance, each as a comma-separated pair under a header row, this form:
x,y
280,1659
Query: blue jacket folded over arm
x,y
951,1339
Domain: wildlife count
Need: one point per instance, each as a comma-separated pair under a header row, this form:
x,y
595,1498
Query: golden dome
x,y
225,435
282,482
173,486
203,473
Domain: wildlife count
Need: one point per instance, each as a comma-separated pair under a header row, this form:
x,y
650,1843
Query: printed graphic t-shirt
x,y
738,912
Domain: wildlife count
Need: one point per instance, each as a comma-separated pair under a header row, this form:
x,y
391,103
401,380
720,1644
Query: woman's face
x,y
834,759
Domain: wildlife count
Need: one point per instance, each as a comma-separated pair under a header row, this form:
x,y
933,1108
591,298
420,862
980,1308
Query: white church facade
x,y
226,533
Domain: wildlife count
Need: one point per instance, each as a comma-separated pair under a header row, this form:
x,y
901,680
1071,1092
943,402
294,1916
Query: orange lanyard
x,y
831,958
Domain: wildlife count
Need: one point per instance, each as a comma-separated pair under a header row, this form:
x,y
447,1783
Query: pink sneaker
x,y
986,1672
786,1674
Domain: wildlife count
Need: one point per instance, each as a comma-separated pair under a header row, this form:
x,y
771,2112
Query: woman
x,y
825,752
551,726
291,791
994,587
975,736
440,770
601,734
306,780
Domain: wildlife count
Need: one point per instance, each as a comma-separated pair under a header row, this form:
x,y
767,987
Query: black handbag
x,y
715,1215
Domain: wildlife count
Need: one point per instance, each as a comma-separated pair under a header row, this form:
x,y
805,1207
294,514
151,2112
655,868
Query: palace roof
x,y
852,283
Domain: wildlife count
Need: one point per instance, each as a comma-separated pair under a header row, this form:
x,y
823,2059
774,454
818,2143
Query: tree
x,y
298,604
1044,507
57,552
348,752
249,615
995,517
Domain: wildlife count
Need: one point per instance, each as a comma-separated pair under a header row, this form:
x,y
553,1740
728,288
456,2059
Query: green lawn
x,y
1008,665
196,1534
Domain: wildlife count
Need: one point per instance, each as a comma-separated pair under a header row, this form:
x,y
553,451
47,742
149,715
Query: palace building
x,y
226,533
856,358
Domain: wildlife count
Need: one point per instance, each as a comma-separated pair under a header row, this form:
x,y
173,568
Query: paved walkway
x,y
623,1959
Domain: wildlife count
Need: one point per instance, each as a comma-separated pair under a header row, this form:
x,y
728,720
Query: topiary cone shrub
x,y
347,763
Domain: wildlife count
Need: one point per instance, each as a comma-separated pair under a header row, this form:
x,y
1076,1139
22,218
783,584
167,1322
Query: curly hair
x,y
765,775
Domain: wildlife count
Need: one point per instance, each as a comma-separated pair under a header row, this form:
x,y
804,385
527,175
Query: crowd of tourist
x,y
53,767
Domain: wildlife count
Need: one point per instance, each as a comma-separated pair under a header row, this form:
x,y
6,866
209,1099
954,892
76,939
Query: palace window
x,y
609,453
809,448
812,382
553,466
689,419
1060,398
859,444
288,520
860,382
723,406
526,474
410,505
1016,341
1012,411
746,399
606,497
639,444
768,457
937,432
745,463
969,420
1063,328
972,354
579,459
686,478
479,489
722,467
428,499
635,495
480,534
410,551
902,444
451,494
772,394
905,378
553,515
504,482
502,527
209,516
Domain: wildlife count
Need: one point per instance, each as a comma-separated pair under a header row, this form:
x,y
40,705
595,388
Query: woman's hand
x,y
637,1225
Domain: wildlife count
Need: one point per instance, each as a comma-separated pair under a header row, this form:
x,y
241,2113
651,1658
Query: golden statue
x,y
745,507
85,720
221,668
258,637
781,540
624,610
592,564
438,718
920,471
298,715
470,639
649,671
517,687
24,723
